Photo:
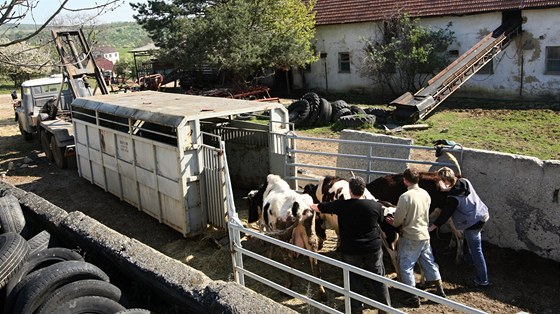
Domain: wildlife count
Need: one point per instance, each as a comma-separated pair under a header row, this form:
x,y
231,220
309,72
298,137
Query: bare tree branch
x,y
27,7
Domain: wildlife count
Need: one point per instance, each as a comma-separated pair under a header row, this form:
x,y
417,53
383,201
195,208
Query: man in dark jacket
x,y
360,236
469,214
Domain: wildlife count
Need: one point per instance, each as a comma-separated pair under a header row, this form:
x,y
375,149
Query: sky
x,y
46,7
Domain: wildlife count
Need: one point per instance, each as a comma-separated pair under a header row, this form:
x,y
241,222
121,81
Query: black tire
x,y
13,251
298,112
58,154
45,138
11,215
50,278
90,305
381,115
357,110
314,102
26,135
37,261
357,120
338,104
341,113
325,112
76,289
134,311
39,242
244,116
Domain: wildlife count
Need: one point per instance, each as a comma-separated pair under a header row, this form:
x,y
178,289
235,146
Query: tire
x,y
338,104
341,113
356,121
76,289
381,115
13,251
134,311
45,138
357,110
40,286
37,261
325,112
39,242
314,102
26,135
11,215
244,117
299,111
58,154
90,305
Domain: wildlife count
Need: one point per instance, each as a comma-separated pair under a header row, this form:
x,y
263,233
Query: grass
x,y
530,132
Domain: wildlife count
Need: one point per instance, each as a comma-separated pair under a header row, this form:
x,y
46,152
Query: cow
x,y
286,214
390,187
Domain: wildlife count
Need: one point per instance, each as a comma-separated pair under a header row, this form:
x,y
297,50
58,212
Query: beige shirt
x,y
412,213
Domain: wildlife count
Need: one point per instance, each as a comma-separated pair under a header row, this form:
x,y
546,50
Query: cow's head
x,y
255,198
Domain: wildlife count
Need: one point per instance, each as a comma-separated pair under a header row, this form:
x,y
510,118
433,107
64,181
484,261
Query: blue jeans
x,y
474,244
372,262
412,251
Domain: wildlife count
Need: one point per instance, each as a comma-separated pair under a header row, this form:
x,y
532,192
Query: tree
x,y
242,37
407,55
21,61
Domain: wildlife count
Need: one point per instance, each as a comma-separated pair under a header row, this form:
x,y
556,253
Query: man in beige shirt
x,y
412,216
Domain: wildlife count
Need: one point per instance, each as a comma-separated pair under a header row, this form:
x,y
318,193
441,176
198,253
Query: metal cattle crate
x,y
149,149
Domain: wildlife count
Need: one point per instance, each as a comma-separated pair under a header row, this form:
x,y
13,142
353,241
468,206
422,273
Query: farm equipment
x,y
44,108
410,108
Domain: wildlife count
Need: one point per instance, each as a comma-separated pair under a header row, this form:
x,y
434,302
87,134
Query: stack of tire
x,y
36,278
311,110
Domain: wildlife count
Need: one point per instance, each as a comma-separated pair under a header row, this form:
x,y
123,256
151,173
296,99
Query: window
x,y
344,62
552,60
488,68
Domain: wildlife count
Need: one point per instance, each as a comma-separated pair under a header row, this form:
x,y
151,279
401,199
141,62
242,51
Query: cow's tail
x,y
455,162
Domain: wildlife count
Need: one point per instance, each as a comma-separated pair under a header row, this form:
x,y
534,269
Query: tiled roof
x,y
353,11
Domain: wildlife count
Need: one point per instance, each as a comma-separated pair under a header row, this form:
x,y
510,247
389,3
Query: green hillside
x,y
125,35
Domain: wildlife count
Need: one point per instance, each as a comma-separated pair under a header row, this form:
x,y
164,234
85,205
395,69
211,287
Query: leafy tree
x,y
407,55
245,38
124,68
21,61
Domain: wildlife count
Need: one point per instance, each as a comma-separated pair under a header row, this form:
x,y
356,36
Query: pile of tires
x,y
36,278
311,110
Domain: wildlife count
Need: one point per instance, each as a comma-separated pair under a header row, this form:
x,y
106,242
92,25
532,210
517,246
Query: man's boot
x,y
439,289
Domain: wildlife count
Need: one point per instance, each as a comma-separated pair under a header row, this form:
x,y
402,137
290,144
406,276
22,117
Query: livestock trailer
x,y
164,153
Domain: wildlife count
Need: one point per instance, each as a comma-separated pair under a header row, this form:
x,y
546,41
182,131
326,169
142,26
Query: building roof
x,y
104,64
145,48
355,11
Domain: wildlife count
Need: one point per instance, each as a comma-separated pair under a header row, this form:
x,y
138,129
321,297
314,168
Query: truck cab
x,y
38,99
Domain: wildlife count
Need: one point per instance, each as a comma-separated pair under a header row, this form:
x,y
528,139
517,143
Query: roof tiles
x,y
354,11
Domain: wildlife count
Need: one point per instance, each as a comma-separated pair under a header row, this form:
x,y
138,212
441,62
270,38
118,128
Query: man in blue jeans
x,y
360,239
412,216
469,214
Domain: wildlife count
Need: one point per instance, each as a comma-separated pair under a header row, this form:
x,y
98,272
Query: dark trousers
x,y
372,262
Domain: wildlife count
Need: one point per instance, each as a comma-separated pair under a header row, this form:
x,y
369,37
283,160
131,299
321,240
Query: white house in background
x,y
109,53
528,68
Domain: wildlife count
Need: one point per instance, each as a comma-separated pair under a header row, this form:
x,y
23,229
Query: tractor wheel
x,y
45,138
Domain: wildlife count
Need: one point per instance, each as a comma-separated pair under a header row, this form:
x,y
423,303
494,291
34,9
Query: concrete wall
x,y
519,71
522,193
190,290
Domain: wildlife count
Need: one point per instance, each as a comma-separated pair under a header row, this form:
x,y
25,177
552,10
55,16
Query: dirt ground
x,y
521,281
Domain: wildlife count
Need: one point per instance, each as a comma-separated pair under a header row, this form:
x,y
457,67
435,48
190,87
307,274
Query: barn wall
x,y
519,71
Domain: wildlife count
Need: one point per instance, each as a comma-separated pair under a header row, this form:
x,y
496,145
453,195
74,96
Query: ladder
x,y
410,108
78,63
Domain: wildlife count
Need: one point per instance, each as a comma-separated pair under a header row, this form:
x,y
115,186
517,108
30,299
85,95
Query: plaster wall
x,y
518,71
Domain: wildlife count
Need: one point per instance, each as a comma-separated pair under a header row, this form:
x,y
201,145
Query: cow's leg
x,y
313,245
459,239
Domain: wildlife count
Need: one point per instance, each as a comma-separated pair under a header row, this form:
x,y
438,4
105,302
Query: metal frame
x,y
238,252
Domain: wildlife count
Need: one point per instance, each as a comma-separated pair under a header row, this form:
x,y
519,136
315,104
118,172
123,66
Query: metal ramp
x,y
410,108
77,60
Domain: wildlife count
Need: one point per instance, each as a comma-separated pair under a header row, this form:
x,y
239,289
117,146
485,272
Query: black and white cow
x,y
277,207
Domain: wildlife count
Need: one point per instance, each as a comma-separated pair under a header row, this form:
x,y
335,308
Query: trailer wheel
x,y
45,138
26,135
58,154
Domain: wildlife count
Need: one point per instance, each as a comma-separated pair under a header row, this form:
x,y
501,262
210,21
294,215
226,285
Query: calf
x,y
390,187
279,208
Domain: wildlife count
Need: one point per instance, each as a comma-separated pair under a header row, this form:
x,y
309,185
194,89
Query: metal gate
x,y
213,190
